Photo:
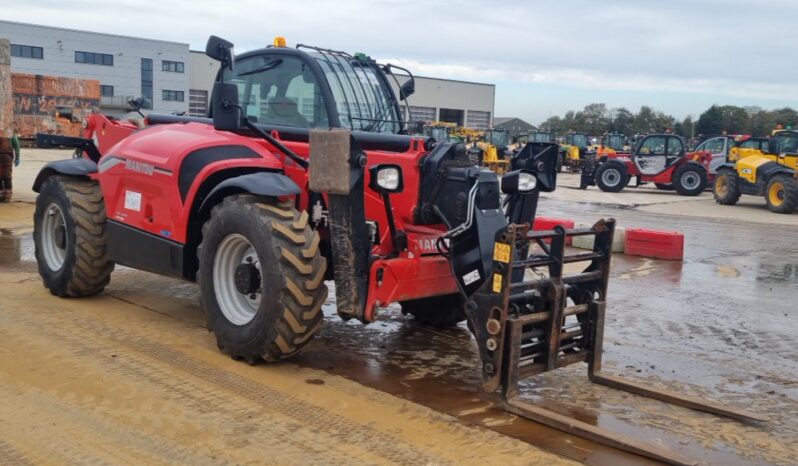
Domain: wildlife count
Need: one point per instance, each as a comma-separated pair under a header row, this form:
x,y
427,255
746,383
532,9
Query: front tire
x,y
611,177
261,278
437,311
782,194
726,189
690,179
71,245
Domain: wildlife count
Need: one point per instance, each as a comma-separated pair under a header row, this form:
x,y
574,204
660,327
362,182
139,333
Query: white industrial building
x,y
463,103
176,80
125,66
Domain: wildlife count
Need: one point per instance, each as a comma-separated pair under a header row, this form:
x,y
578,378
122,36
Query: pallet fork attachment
x,y
527,324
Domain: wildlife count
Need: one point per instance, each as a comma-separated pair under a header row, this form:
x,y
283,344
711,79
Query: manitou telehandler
x,y
658,158
302,173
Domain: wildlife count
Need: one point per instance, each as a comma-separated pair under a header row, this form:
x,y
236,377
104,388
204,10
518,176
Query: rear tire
x,y
475,156
71,245
690,179
726,189
261,276
437,311
611,177
782,194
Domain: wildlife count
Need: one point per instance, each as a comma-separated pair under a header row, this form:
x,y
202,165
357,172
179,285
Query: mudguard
x,y
81,167
261,184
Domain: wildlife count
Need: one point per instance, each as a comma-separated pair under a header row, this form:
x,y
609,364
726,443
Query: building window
x,y
173,66
27,51
422,114
197,102
146,81
94,58
175,96
106,91
478,120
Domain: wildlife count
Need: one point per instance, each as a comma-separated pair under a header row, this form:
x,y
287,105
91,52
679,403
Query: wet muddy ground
x,y
720,325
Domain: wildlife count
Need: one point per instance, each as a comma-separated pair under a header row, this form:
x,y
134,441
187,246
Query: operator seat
x,y
283,111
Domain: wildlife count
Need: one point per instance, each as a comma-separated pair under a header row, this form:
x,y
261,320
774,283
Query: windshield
x,y
579,140
499,138
364,101
542,137
279,91
787,142
614,141
437,133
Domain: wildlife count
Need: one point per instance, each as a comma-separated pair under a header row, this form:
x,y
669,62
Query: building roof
x,y
84,31
516,122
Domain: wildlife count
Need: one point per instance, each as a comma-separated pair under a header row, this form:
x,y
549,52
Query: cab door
x,y
719,148
651,157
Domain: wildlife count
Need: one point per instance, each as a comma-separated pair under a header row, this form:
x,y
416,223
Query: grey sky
x,y
545,57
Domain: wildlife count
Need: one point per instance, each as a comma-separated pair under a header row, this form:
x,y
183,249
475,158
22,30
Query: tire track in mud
x,y
329,429
11,456
211,392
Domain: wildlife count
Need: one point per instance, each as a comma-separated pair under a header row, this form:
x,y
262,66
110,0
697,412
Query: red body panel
x,y
148,167
139,177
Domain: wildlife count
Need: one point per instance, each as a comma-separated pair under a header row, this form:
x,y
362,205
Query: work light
x,y
518,181
386,179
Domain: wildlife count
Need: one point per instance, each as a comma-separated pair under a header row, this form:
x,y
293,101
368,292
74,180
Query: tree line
x,y
596,119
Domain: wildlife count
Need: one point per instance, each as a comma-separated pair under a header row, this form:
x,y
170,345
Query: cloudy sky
x,y
545,57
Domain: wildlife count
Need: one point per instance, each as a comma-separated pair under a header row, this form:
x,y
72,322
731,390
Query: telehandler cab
x,y
303,174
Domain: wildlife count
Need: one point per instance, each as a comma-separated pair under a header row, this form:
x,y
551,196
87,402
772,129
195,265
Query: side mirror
x,y
226,111
137,103
407,89
221,50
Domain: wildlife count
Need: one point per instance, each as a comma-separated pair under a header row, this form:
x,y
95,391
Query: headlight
x,y
527,182
518,181
386,179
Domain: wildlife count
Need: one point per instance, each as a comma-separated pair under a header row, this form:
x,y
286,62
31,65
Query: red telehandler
x,y
661,159
302,173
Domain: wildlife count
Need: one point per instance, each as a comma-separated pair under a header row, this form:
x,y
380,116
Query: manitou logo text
x,y
140,167
429,245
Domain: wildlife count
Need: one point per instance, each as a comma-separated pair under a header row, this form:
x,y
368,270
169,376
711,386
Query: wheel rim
x,y
721,186
691,180
776,194
54,239
234,255
611,177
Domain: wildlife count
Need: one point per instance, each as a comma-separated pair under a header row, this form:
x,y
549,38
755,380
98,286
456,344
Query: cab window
x,y
279,90
788,143
675,146
654,145
714,146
